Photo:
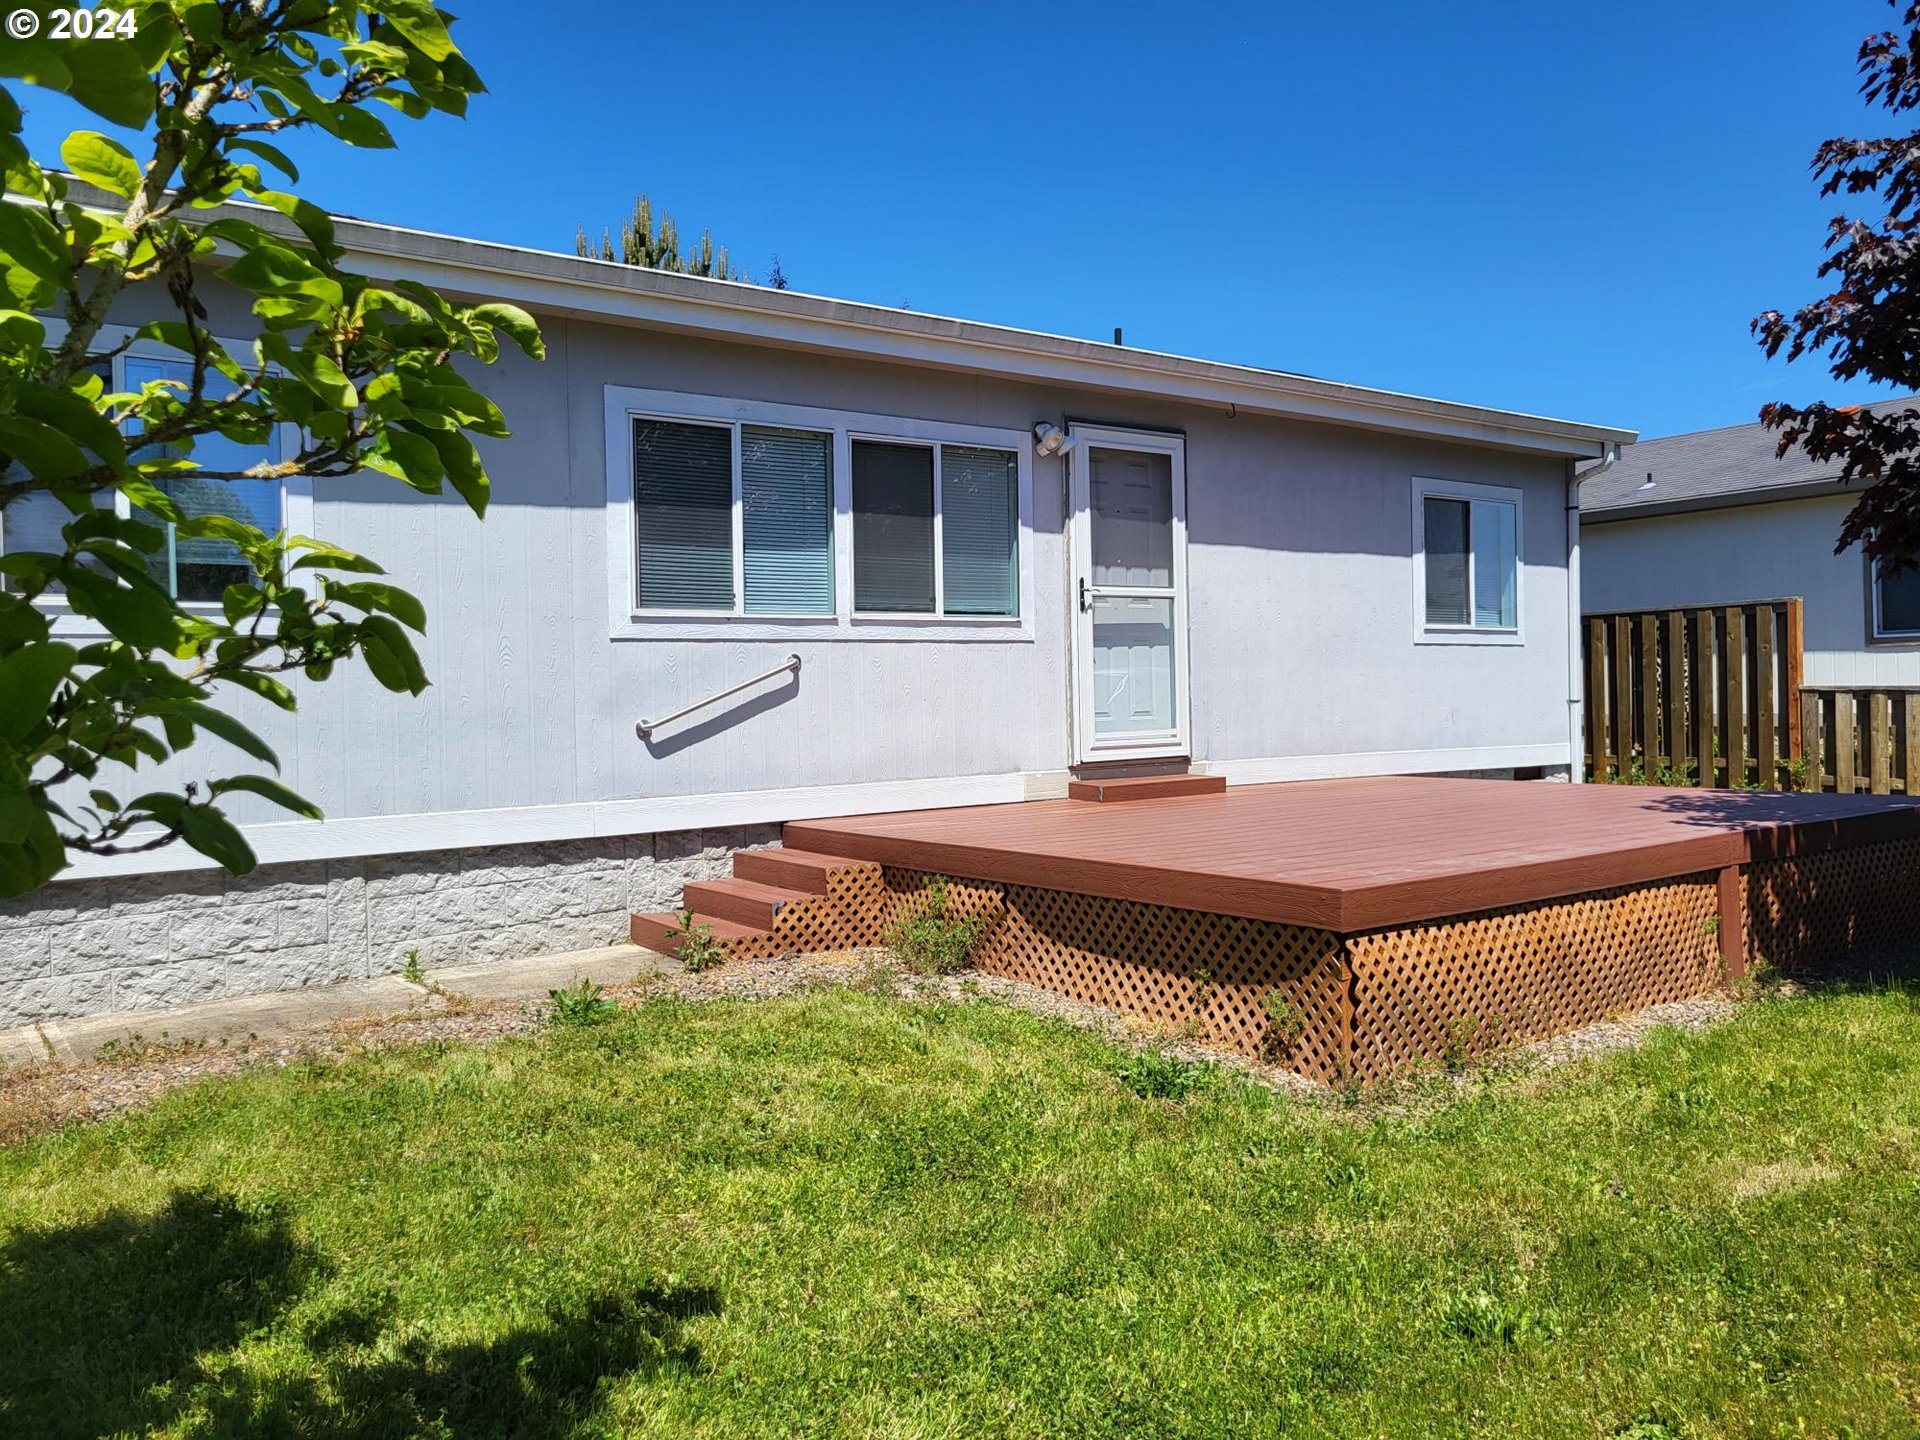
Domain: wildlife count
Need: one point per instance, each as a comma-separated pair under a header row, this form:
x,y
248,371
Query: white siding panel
x,y
1751,552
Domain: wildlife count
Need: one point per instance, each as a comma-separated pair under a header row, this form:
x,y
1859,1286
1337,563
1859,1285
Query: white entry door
x,y
1130,593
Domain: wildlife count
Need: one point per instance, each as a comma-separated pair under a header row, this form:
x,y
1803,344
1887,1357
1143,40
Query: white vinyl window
x,y
1896,605
760,521
1467,563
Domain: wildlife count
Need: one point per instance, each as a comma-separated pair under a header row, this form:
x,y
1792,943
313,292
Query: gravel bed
x,y
39,1098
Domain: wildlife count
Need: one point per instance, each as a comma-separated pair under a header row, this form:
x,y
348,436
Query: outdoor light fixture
x,y
1050,439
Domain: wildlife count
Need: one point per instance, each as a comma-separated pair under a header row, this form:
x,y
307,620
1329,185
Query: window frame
x,y
627,621
1427,487
296,491
1877,632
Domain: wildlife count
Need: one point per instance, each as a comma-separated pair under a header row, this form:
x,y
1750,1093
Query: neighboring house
x,y
1716,518
999,556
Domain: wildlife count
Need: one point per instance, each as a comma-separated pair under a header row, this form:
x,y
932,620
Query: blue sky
x,y
1567,210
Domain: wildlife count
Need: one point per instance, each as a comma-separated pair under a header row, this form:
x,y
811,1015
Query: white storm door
x,y
1130,594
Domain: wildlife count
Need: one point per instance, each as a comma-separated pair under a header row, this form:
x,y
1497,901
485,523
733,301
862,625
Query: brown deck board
x,y
1364,853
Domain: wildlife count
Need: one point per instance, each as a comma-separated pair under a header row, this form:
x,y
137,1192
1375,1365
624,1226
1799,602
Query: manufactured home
x,y
756,557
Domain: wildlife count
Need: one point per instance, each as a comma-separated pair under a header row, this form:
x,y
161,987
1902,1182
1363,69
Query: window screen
x,y
980,530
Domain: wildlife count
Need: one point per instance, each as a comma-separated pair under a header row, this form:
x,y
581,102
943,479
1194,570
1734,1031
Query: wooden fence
x,y
1861,740
1705,695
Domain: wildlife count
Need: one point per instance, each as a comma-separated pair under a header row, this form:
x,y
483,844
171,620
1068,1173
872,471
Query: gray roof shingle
x,y
1706,469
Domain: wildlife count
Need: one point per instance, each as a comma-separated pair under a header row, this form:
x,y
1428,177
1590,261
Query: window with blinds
x,y
683,515
980,530
752,518
786,510
1471,558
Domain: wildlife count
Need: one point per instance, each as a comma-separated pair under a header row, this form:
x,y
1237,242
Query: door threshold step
x,y
1145,787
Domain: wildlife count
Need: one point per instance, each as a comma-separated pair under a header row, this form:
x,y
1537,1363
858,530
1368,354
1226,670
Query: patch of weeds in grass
x,y
1484,1319
1155,1076
585,1002
694,942
932,941
1651,1424
413,972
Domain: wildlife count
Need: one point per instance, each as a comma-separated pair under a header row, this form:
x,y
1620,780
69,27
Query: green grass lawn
x,y
842,1214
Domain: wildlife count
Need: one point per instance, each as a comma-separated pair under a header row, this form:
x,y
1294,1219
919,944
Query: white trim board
x,y
285,842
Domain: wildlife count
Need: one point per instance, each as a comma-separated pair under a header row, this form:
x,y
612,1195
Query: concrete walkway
x,y
285,1012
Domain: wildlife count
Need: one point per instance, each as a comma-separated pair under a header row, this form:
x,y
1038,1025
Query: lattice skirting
x,y
1361,1006
1471,984
1210,975
1812,908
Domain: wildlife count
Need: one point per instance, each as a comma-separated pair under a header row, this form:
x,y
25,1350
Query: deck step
x,y
795,869
661,931
1145,787
745,902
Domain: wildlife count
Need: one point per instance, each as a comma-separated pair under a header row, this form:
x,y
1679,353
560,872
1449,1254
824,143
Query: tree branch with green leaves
x,y
368,375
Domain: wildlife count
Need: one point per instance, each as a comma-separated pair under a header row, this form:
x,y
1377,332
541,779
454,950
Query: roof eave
x,y
1825,488
592,289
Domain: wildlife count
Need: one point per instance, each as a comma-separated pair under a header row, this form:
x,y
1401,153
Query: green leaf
x,y
111,79
141,616
268,153
216,722
36,262
46,452
376,595
102,162
265,686
217,837
30,850
407,457
314,222
516,324
322,555
270,789
391,656
420,23
28,678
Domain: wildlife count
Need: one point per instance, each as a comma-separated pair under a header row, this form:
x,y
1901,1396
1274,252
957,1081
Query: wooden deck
x,y
1363,854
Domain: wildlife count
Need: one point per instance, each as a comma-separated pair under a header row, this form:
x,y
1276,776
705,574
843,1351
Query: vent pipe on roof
x,y
1116,336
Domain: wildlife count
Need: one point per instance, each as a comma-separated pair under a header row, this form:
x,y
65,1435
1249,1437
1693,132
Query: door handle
x,y
1086,600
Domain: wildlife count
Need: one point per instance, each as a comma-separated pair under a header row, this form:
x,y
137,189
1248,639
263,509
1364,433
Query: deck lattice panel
x,y
1184,969
1811,908
1473,984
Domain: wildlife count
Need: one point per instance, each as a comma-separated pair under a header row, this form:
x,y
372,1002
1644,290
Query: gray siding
x,y
1751,552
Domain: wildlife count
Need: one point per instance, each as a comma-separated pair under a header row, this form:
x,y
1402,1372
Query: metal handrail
x,y
645,728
